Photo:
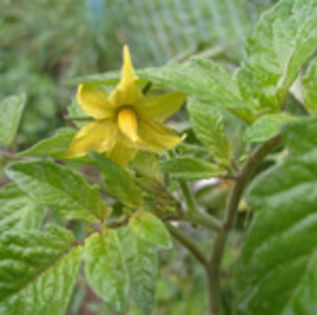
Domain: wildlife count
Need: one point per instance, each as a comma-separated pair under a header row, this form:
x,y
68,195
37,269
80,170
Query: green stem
x,y
235,195
204,220
187,242
189,199
193,214
188,196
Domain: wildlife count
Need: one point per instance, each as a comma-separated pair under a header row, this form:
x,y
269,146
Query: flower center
x,y
128,123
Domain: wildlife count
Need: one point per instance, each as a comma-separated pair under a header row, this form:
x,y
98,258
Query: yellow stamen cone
x,y
128,123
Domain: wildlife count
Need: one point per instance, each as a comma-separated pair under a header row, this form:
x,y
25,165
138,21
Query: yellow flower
x,y
125,120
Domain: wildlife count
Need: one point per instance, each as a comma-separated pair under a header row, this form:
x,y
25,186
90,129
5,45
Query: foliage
x,y
285,223
309,83
13,107
38,263
129,226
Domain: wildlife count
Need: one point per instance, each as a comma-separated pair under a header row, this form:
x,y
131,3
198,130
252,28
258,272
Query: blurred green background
x,y
44,42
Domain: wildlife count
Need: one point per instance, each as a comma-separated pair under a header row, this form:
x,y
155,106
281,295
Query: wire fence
x,y
160,30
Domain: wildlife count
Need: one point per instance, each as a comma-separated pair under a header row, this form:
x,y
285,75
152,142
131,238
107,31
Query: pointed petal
x,y
127,91
128,74
128,123
161,107
92,98
156,137
122,152
97,136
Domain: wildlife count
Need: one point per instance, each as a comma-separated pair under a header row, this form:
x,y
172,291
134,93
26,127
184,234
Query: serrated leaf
x,y
10,115
309,83
204,79
37,271
277,268
189,168
107,78
62,189
119,182
18,211
208,125
265,127
141,261
104,268
284,39
55,146
150,228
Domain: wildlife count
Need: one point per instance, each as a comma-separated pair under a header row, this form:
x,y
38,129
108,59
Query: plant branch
x,y
193,214
236,192
187,242
205,220
189,199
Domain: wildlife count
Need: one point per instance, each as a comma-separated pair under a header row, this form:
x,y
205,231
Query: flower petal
x,y
123,151
128,123
97,136
161,107
128,74
127,91
156,137
92,98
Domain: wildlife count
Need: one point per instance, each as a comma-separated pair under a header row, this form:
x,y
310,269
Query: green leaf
x,y
107,78
301,138
37,271
75,111
150,228
18,211
204,79
265,127
119,182
159,193
208,125
189,168
284,39
10,115
110,78
309,83
62,189
141,261
104,268
146,164
277,271
56,146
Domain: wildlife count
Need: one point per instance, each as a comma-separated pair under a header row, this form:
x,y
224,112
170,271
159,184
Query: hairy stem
x,y
187,242
189,199
193,214
206,220
243,177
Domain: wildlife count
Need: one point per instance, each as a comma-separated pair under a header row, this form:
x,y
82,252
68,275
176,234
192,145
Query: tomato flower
x,y
125,120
